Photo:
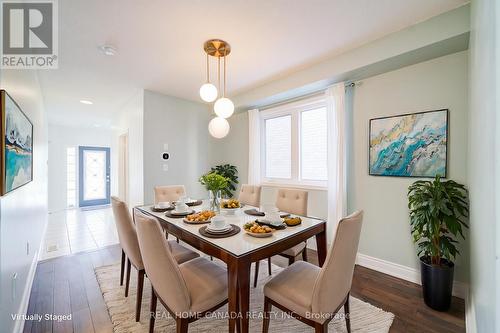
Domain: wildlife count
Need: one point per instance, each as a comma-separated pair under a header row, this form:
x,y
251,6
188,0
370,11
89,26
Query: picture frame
x,y
16,155
413,145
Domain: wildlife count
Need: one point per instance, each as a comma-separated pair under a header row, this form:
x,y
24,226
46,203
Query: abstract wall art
x,y
411,145
17,145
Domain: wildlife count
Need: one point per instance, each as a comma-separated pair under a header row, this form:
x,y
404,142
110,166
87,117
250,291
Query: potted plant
x,y
231,173
214,183
438,214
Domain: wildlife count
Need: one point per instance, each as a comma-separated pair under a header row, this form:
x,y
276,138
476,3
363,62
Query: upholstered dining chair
x,y
188,290
250,195
169,193
311,294
294,202
127,236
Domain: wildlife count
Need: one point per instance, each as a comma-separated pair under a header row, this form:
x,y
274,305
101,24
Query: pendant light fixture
x,y
223,107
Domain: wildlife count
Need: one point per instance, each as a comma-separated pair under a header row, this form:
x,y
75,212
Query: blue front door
x,y
94,182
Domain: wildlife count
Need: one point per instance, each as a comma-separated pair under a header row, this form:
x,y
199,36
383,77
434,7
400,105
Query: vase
x,y
214,197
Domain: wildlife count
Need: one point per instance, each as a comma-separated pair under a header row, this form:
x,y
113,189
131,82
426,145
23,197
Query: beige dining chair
x,y
314,295
169,193
294,202
187,290
250,195
127,236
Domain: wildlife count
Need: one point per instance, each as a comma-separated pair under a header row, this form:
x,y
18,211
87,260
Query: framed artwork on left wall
x,y
16,158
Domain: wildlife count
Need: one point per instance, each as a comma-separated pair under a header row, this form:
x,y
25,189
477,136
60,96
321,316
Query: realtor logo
x,y
29,34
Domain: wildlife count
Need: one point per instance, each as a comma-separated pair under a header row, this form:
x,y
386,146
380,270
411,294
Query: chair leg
x,y
152,311
347,314
291,260
267,310
321,328
177,239
269,265
138,302
257,264
304,254
127,279
122,268
182,325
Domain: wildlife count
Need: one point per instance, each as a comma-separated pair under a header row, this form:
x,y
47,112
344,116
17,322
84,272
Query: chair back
x,y
335,278
292,201
169,193
161,267
250,195
127,233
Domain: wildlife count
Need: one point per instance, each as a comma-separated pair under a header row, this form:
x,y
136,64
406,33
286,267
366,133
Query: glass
x,y
94,175
214,198
313,146
279,147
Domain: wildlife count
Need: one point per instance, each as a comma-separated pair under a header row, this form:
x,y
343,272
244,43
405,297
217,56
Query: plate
x,y
174,212
196,222
225,229
259,235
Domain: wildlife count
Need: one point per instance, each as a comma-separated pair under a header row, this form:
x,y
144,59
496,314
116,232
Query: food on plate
x,y
256,228
230,204
202,216
292,221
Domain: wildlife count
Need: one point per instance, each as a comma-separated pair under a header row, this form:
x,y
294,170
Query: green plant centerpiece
x,y
438,216
231,173
214,183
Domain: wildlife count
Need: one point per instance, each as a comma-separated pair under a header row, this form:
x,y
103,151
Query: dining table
x,y
241,250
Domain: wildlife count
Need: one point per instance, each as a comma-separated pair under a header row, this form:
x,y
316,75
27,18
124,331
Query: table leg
x,y
244,293
232,279
321,247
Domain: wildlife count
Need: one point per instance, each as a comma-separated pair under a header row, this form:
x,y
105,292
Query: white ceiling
x,y
160,42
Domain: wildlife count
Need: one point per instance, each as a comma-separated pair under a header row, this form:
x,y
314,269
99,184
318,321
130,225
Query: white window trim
x,y
294,109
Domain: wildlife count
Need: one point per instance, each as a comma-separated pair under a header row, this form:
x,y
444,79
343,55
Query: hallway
x,y
76,230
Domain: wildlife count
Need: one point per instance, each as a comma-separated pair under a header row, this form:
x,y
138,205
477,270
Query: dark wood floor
x,y
68,285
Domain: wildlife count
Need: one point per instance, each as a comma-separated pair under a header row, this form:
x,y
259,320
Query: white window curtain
x,y
253,147
337,194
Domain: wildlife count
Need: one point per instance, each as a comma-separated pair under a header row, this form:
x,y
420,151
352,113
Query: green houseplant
x,y
231,173
438,214
214,183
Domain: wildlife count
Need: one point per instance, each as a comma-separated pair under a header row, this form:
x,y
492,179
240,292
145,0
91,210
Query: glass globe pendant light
x,y
208,92
218,127
223,107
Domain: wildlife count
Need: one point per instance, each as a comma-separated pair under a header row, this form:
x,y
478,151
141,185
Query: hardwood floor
x,y
67,285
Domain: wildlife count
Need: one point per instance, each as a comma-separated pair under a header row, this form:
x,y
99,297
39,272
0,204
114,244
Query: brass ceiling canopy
x,y
217,48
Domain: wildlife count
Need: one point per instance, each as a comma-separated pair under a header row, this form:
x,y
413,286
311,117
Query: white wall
x,y
182,125
130,120
62,137
436,84
23,212
484,167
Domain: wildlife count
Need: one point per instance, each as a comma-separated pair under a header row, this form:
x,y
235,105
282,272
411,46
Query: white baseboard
x,y
23,307
460,289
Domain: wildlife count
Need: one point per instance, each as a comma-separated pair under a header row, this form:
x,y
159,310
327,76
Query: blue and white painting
x,y
18,150
411,145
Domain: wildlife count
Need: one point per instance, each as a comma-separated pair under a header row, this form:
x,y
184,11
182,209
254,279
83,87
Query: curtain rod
x,y
298,98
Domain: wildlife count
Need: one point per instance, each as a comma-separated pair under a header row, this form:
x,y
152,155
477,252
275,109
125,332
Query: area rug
x,y
364,317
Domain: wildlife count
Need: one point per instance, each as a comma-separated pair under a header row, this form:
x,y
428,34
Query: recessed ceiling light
x,y
108,50
84,101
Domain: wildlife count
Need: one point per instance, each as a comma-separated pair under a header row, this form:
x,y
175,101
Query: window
x,y
294,144
71,177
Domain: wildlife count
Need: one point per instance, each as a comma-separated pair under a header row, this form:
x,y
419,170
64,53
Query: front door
x,y
94,184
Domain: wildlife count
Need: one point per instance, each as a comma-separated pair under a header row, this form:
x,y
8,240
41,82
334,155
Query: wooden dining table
x,y
241,250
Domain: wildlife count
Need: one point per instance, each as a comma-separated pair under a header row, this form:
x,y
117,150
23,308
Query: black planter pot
x,y
437,283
